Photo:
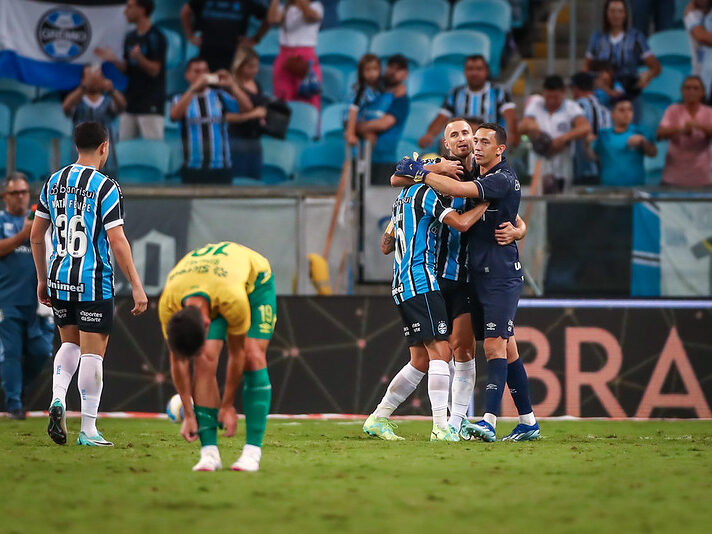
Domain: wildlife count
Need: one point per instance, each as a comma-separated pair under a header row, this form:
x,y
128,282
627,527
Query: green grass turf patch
x,y
328,477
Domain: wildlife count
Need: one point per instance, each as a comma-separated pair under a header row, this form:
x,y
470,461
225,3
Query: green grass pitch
x,y
326,476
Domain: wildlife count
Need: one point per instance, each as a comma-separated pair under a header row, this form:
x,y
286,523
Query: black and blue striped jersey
x,y
485,105
82,204
417,218
451,255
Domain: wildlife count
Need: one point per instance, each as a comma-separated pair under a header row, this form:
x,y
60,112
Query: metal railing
x,y
521,70
551,35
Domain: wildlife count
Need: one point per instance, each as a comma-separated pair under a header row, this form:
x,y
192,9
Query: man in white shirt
x,y
553,122
698,23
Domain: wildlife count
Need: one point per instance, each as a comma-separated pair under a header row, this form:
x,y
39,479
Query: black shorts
x,y
494,304
424,318
91,316
457,297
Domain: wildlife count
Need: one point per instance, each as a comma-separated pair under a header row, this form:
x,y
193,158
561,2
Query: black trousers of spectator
x,y
206,176
661,11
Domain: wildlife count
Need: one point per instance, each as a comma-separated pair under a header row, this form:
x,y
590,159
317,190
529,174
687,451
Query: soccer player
x,y
452,273
84,208
417,216
222,292
495,274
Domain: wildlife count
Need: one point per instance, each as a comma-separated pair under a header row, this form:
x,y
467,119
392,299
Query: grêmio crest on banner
x,y
157,230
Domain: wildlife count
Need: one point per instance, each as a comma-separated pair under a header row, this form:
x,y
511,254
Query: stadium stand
x,y
341,48
320,164
304,123
421,113
332,121
3,155
33,158
14,94
425,16
175,81
332,85
264,78
491,17
662,91
42,121
174,51
5,121
278,160
413,44
143,160
268,47
452,47
654,166
431,84
366,16
672,48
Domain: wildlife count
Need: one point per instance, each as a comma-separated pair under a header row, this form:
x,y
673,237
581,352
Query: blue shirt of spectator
x,y
18,282
387,143
621,165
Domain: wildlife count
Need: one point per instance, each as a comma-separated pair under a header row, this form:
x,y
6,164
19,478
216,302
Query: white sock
x,y
210,450
402,385
252,450
66,362
90,382
451,365
527,419
462,387
438,381
491,419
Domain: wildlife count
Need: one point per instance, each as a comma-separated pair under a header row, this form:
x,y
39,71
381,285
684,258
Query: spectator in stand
x,y
297,74
367,88
606,90
246,128
144,64
21,333
553,122
218,27
624,48
391,111
688,126
211,101
478,101
662,13
621,149
598,116
96,100
698,23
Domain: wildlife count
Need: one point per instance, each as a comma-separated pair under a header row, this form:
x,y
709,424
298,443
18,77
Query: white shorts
x,y
148,126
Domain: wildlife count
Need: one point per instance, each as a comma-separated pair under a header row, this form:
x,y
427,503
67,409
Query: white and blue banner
x,y
47,43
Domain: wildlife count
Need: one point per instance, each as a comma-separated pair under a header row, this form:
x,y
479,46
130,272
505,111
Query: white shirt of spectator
x,y
296,31
692,19
555,124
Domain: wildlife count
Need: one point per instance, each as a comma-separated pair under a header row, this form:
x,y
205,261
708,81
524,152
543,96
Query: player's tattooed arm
x,y
388,244
463,222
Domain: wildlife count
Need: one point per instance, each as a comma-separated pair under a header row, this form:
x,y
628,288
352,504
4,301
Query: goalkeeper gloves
x,y
411,168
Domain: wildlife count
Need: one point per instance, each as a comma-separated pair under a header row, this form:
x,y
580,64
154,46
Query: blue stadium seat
x,y
171,129
304,122
431,84
332,121
332,85
654,166
406,147
268,47
367,16
341,48
32,157
42,120
320,164
14,94
167,14
451,48
67,152
662,91
672,48
278,158
175,162
175,81
5,121
491,17
191,51
412,44
3,156
420,116
143,160
174,51
264,78
426,16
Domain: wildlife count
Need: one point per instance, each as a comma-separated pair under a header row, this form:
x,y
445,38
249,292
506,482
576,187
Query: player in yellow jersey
x,y
222,292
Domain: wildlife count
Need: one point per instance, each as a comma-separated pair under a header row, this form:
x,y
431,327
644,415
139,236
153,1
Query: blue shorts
x,y
494,304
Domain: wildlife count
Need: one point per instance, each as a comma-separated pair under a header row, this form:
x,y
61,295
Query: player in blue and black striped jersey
x,y
417,218
495,275
84,209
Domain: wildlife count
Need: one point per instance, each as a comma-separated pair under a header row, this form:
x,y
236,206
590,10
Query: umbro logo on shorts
x,y
491,326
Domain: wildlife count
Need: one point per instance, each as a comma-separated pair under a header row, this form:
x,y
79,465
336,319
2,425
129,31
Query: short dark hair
x,y
147,5
619,100
606,25
477,57
185,332
398,60
14,177
582,81
554,82
89,135
196,59
500,134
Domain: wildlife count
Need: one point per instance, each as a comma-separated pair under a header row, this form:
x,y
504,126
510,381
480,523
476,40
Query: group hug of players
x,y
456,279
222,293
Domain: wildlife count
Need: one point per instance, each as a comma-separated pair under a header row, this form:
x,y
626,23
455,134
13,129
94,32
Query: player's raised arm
x,y
445,167
416,170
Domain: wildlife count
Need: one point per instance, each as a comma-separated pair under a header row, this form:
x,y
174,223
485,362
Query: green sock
x,y
256,398
207,424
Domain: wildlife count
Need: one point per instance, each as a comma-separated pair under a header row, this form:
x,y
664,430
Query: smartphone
x,y
213,79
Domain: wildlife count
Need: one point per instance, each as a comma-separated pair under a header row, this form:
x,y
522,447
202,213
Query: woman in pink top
x,y
299,22
688,126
